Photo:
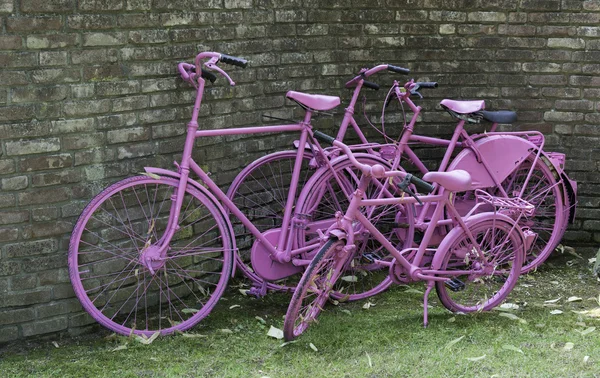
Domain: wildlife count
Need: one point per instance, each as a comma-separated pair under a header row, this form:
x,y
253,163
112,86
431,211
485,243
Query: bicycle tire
x,y
545,193
313,289
110,237
499,275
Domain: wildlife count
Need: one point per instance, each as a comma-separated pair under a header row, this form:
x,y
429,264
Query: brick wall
x,y
89,94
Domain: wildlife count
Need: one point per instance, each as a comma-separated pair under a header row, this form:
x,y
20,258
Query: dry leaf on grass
x,y
275,333
512,348
451,343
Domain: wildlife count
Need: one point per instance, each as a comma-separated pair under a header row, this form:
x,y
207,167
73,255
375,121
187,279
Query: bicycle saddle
x,y
463,107
315,102
500,116
455,181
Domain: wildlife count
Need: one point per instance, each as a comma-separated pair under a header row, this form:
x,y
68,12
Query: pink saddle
x,y
315,102
454,181
463,107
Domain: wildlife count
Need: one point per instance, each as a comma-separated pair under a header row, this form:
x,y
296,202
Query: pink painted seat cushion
x,y
315,102
463,107
455,181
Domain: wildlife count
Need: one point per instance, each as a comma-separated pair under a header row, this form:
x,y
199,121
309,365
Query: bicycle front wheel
x,y
491,274
327,193
313,290
126,288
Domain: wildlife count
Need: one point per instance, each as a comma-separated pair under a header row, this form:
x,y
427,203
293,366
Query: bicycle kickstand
x,y
258,291
425,299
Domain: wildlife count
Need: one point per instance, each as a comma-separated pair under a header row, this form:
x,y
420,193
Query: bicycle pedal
x,y
455,284
370,257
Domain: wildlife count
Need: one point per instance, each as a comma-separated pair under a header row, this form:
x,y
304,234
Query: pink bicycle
x,y
154,253
473,269
533,175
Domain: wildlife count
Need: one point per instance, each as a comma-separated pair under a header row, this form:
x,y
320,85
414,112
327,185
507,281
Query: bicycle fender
x,y
438,258
502,153
196,185
556,160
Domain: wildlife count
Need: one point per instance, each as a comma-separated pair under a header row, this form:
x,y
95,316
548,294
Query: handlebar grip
x,y
421,185
323,137
234,60
209,75
397,69
205,74
370,84
428,84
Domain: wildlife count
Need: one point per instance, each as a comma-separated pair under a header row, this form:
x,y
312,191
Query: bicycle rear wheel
x,y
490,277
545,193
127,288
313,290
260,192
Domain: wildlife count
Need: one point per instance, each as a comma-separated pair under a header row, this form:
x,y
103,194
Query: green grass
x,y
386,340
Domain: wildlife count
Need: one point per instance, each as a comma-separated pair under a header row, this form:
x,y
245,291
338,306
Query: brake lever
x,y
213,66
404,187
416,92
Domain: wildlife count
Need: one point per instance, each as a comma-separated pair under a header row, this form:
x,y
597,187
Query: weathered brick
x,y
8,234
45,162
14,183
32,248
53,58
40,327
26,147
91,21
47,6
56,75
8,334
44,214
104,39
94,56
148,36
101,5
56,178
51,41
83,108
128,135
487,17
23,282
43,94
135,150
19,315
553,116
566,43
42,230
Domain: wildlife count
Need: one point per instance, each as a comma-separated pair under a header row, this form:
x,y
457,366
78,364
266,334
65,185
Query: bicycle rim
x,y
109,240
313,290
492,275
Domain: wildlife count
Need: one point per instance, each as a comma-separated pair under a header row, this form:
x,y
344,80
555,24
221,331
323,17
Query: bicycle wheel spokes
x,y
313,290
260,192
127,288
543,191
486,270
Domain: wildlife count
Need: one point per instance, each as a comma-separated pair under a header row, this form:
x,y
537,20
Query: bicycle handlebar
x,y
378,171
364,73
233,60
397,69
188,72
